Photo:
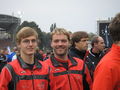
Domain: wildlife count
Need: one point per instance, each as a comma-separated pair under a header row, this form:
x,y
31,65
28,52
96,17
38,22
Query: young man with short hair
x,y
26,72
66,72
79,47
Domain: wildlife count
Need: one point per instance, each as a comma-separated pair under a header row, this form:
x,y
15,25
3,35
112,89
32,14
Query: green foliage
x,y
30,24
91,35
46,41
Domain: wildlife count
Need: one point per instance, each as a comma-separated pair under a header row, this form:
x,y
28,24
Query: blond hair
x,y
60,31
25,32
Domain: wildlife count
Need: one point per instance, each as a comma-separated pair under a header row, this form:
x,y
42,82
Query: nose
x,y
59,43
30,43
88,42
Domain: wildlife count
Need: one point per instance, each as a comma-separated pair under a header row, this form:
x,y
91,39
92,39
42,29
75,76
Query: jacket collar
x,y
57,63
115,49
94,54
78,53
25,66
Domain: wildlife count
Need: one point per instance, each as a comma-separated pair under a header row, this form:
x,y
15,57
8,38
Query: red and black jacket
x,y
70,78
18,76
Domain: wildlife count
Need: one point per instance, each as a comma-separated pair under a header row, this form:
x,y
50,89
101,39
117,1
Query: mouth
x,y
60,48
30,49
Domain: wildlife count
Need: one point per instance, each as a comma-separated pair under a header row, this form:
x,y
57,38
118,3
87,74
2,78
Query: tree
x,y
91,35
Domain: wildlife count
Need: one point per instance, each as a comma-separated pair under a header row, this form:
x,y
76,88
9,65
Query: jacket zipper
x,y
32,79
69,80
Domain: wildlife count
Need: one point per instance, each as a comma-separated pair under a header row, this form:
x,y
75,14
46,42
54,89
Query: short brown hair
x,y
60,31
77,36
114,28
94,40
25,32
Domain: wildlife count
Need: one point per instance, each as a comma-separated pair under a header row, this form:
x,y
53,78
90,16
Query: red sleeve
x,y
5,78
103,78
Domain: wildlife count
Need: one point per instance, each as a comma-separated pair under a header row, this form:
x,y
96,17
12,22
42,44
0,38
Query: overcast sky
x,y
73,15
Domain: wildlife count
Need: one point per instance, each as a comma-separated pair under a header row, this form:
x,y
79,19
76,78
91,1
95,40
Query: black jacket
x,y
3,61
76,53
93,59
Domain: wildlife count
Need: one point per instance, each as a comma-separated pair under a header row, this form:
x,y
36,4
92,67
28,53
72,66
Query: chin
x,y
60,54
31,53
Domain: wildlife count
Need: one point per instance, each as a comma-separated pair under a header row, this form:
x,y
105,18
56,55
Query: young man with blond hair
x,y
26,72
66,72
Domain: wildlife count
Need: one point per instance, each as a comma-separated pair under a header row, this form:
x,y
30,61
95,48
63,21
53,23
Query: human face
x,y
100,45
28,45
82,44
60,44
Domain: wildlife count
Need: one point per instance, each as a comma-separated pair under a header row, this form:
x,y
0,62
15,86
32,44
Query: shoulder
x,y
78,60
48,61
106,65
43,63
14,63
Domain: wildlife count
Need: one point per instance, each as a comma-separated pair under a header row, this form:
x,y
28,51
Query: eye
x,y
84,40
63,41
56,41
34,41
26,41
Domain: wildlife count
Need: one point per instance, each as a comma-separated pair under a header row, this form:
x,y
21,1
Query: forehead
x,y
100,39
30,37
84,38
59,36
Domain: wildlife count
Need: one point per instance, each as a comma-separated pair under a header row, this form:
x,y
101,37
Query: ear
x,y
69,45
76,43
51,44
95,44
18,45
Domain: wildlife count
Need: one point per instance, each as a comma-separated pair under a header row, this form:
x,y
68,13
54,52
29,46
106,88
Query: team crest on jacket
x,y
57,69
23,72
41,85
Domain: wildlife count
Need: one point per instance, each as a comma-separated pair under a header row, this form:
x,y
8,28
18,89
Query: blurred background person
x,y
95,53
38,54
3,59
107,72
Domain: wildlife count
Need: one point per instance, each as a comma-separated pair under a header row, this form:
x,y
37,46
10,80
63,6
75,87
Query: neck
x,y
78,49
95,50
28,58
65,57
118,43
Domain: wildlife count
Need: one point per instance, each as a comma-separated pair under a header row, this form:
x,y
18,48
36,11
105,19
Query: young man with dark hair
x,y
107,72
79,44
26,72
